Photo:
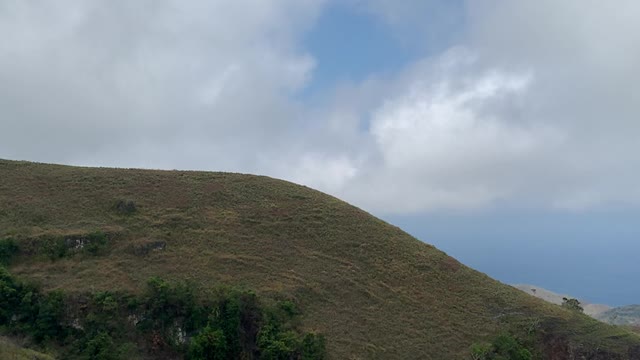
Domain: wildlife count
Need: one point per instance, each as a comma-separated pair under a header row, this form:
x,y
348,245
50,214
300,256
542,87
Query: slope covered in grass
x,y
623,315
592,310
11,351
370,288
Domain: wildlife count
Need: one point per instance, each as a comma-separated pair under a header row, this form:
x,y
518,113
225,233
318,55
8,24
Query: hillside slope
x,y
623,315
372,289
555,298
11,351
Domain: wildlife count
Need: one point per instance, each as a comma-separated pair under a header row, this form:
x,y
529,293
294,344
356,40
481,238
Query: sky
x,y
503,132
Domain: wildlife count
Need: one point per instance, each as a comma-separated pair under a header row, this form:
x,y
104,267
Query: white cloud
x,y
148,83
538,107
443,128
441,142
329,173
535,102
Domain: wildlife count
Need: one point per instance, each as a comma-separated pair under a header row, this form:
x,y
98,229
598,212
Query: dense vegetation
x,y
85,235
167,319
503,347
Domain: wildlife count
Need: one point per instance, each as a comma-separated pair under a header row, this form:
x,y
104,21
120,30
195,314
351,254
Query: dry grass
x,y
375,291
11,351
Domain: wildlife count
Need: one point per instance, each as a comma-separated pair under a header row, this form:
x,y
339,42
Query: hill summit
x,y
370,289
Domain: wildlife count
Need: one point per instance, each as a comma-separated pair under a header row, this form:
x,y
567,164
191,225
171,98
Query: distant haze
x,y
589,255
558,299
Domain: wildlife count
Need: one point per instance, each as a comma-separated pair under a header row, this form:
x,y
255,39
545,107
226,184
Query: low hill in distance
x,y
590,309
623,315
628,315
372,290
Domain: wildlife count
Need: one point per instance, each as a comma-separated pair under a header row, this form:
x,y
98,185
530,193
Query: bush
x,y
276,345
58,247
55,248
508,347
101,347
96,243
48,324
572,304
289,307
164,304
24,309
313,347
233,325
8,248
9,296
209,344
503,347
481,351
125,207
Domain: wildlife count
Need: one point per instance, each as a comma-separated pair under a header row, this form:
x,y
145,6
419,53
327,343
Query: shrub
x,y
8,248
572,304
503,347
233,325
125,207
508,347
481,351
55,248
48,324
101,347
96,243
60,246
209,344
313,347
289,308
279,346
24,309
9,296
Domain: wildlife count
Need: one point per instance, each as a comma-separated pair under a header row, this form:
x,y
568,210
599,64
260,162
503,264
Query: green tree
x,y
48,323
8,248
572,304
503,347
313,347
481,351
209,344
101,347
506,347
9,295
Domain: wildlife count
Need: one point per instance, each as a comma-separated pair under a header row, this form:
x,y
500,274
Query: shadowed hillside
x,y
373,291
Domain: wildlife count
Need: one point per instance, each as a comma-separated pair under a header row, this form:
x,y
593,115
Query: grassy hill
x,y
11,351
623,315
592,310
374,291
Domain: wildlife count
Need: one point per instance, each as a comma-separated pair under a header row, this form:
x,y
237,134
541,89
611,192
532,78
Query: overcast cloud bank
x,y
536,103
